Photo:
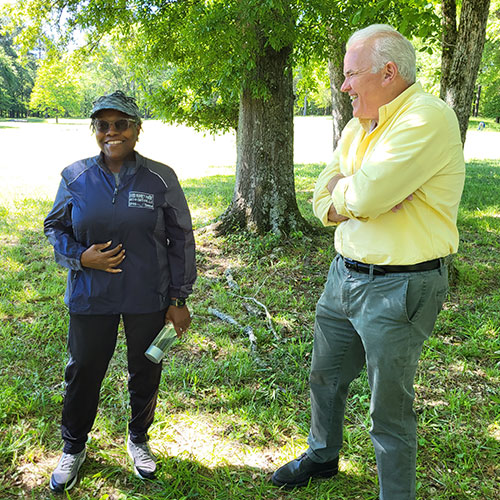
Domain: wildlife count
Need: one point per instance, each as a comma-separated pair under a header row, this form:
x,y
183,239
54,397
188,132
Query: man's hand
x,y
179,317
96,258
333,182
399,205
333,216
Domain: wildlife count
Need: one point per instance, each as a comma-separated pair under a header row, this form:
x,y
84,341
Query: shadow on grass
x,y
180,478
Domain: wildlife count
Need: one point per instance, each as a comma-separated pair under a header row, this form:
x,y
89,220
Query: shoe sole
x,y
327,474
62,489
141,476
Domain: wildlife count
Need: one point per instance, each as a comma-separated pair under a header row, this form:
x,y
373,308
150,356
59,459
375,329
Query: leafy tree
x,y
428,64
55,93
489,73
16,77
104,69
229,65
312,88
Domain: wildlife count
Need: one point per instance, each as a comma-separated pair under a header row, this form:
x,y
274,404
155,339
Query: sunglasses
x,y
119,125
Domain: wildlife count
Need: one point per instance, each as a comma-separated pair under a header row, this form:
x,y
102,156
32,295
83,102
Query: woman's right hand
x,y
96,257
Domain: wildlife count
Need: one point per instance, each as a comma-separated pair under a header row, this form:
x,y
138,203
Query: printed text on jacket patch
x,y
137,199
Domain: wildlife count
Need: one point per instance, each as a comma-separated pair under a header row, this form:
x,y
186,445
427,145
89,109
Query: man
x,y
394,186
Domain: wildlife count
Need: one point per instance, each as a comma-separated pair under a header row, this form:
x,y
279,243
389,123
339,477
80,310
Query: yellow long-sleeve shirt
x,y
415,149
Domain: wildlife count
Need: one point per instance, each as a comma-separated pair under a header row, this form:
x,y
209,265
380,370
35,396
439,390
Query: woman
x,y
121,225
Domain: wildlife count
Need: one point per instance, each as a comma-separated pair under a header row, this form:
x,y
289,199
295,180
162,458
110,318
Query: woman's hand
x,y
179,317
96,257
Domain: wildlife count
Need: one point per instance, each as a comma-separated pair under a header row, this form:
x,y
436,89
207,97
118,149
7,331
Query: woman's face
x,y
116,146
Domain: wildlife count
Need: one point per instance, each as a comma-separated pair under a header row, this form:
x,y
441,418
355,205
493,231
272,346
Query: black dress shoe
x,y
298,472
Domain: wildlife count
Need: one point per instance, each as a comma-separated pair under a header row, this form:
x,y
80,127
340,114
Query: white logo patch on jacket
x,y
136,199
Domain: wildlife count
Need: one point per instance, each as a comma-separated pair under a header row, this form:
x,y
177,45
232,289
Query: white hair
x,y
386,45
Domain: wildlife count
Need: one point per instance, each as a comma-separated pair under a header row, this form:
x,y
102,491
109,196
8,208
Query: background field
x,y
228,416
34,153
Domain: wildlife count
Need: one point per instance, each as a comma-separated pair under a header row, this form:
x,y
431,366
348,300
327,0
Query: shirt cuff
x,y
338,198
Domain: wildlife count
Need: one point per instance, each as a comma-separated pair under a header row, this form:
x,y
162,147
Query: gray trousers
x,y
380,321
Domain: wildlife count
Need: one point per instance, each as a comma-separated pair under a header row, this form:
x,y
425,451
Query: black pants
x,y
91,343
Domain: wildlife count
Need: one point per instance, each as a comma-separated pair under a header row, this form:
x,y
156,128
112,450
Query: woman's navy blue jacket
x,y
147,213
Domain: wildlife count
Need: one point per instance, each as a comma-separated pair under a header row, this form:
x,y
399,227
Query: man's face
x,y
366,89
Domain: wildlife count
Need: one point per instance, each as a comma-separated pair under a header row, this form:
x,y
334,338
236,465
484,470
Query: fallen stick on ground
x,y
229,319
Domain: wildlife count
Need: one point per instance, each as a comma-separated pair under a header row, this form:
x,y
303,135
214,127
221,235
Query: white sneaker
x,y
144,460
66,473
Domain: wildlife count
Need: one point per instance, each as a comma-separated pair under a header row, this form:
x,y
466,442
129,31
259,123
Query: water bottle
x,y
161,344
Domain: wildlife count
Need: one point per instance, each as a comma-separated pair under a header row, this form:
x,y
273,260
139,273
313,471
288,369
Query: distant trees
x,y
16,79
55,93
489,71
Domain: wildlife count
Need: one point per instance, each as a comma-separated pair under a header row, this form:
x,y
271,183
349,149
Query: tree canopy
x,y
55,93
16,77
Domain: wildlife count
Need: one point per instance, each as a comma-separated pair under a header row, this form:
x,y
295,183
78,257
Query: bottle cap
x,y
154,354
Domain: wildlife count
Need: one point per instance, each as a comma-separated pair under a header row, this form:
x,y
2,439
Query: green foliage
x,y
16,77
187,61
428,65
209,50
312,82
202,53
110,66
55,93
489,73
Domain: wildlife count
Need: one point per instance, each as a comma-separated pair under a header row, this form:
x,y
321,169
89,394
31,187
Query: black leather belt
x,y
361,267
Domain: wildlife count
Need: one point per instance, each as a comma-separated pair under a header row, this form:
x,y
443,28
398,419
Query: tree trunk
x,y
448,42
476,102
341,103
264,195
460,66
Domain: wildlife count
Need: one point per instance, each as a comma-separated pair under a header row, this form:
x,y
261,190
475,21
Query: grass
x,y
490,124
227,416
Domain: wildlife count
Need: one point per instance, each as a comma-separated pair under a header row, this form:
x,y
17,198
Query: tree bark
x,y
341,103
448,42
461,57
264,194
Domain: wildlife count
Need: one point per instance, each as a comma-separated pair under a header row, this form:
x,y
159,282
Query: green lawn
x,y
227,416
490,124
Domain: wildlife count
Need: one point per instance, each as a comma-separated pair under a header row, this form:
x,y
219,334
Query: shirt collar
x,y
129,167
387,110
